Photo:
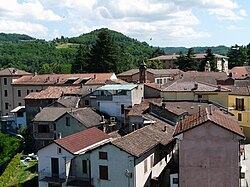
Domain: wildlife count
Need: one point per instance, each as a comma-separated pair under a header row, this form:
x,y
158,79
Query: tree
x,y
154,64
191,63
158,52
237,56
208,57
181,61
104,55
81,63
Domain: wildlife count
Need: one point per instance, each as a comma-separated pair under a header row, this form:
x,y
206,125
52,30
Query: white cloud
x,y
30,10
25,27
234,27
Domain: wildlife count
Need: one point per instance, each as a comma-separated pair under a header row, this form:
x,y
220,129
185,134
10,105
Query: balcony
x,y
43,135
48,177
79,181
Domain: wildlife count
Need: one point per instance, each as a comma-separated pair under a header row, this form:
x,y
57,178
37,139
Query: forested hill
x,y
14,38
221,49
61,54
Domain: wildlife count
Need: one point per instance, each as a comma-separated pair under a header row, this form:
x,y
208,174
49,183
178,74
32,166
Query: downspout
x,y
89,172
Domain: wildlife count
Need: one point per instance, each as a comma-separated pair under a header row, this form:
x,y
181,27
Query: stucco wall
x,y
118,162
75,126
44,161
209,157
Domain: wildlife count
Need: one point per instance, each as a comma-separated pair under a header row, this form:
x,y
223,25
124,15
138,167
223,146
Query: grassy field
x,y
66,45
18,175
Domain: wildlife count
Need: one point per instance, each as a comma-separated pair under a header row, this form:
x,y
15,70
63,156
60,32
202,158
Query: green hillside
x,y
14,38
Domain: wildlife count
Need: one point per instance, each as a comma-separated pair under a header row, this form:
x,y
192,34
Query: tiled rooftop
x,y
82,140
143,140
12,72
58,79
243,90
224,121
188,86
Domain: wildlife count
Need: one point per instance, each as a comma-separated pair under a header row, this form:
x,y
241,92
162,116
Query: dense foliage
x,y
9,146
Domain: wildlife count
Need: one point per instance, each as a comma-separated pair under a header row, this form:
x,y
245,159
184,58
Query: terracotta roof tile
x,y
240,71
82,140
58,79
142,140
216,117
243,90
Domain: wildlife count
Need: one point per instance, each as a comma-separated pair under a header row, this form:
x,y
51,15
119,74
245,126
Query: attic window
x,y
59,150
71,80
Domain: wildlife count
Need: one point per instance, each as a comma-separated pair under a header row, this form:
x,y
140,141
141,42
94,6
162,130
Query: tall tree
x,y
237,56
208,57
158,52
191,62
104,55
181,61
81,63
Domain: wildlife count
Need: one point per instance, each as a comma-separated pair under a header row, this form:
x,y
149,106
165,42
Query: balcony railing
x,y
48,177
43,135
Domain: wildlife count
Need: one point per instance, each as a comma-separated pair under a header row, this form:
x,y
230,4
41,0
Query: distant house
x,y
196,91
7,94
53,123
159,76
238,104
169,61
239,72
66,162
208,144
113,99
61,96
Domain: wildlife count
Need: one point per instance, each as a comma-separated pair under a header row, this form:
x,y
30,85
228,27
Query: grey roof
x,y
188,86
12,72
69,101
86,115
118,87
50,114
142,140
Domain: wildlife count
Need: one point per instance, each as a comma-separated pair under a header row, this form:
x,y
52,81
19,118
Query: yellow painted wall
x,y
245,123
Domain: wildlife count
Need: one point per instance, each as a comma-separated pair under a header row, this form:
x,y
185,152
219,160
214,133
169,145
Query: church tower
x,y
143,72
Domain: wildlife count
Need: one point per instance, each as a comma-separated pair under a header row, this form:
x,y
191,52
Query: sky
x,y
164,23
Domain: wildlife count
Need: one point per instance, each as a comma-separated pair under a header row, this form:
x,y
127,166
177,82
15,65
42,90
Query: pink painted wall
x,y
209,157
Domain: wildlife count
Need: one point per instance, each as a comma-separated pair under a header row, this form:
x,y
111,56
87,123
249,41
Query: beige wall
x,y
209,157
218,97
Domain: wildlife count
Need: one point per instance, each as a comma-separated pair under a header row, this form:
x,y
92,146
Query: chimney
x,y
199,110
163,105
219,87
102,120
94,76
165,129
195,86
210,109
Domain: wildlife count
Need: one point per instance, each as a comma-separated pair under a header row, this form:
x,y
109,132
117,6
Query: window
x,y
67,121
175,181
239,117
239,104
159,81
5,81
103,171
54,126
59,150
123,92
86,102
5,93
152,161
103,155
43,129
19,104
6,106
19,94
122,109
28,92
84,166
19,114
145,166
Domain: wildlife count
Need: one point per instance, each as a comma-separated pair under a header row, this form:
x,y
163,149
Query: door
x,y
54,167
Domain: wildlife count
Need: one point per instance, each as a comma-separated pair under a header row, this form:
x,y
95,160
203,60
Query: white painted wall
x,y
44,161
118,162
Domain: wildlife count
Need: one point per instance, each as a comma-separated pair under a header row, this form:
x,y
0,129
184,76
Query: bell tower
x,y
143,72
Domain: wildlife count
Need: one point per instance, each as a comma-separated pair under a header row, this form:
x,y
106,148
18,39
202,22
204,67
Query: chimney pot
x,y
210,109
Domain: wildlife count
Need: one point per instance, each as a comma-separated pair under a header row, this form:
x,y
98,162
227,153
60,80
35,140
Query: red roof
x,y
218,118
82,140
